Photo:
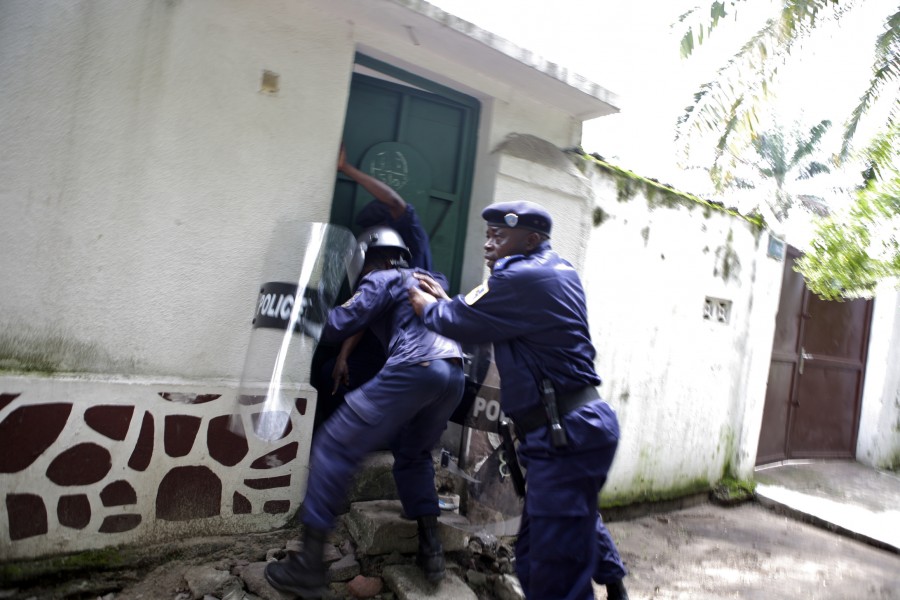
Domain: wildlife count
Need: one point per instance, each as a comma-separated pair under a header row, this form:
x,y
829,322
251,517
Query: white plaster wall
x,y
879,424
689,392
144,173
533,169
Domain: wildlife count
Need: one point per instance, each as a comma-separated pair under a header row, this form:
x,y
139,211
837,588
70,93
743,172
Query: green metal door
x,y
419,140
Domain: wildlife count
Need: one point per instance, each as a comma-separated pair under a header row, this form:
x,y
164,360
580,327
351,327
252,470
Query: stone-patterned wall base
x,y
87,463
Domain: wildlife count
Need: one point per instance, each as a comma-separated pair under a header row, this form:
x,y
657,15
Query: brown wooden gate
x,y
816,374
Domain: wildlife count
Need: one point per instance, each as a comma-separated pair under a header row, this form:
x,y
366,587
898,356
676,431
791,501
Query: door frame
x,y
468,144
795,359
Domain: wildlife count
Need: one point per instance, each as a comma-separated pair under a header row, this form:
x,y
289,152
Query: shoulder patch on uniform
x,y
351,300
476,294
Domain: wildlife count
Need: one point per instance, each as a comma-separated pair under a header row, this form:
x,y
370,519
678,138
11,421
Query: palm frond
x,y
712,97
717,11
885,69
809,145
749,72
813,169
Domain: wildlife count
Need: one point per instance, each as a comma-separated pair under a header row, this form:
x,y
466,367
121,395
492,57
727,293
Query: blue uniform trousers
x,y
562,543
405,408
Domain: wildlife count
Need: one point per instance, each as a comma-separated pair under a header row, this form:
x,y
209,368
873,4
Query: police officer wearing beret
x,y
532,308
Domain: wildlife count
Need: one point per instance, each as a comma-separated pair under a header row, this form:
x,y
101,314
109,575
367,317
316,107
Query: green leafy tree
x,y
727,108
853,252
781,158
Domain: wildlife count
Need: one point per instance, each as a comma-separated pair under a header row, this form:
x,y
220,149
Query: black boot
x,y
302,573
616,591
431,553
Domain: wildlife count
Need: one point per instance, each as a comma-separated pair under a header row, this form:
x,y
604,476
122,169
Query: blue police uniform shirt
x,y
381,302
532,308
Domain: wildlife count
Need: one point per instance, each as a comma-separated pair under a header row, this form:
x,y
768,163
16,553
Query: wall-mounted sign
x,y
776,248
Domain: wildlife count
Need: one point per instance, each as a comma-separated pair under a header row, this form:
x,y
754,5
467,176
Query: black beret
x,y
519,214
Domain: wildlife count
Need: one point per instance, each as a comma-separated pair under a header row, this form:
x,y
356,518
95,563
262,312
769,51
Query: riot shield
x,y
303,272
486,461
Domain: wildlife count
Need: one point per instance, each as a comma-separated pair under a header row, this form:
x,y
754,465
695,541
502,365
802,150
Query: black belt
x,y
532,419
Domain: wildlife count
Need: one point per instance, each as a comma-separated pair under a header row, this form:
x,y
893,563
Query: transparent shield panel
x,y
489,499
304,269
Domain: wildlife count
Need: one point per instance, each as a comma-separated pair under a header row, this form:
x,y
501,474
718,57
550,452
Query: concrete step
x,y
375,480
408,583
377,528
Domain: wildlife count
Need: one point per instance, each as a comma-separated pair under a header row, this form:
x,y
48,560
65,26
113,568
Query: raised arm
x,y
384,193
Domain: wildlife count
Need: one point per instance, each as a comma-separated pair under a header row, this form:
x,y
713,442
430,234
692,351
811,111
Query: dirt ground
x,y
711,552
704,552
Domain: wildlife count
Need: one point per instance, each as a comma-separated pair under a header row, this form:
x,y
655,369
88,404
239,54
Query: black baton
x,y
512,459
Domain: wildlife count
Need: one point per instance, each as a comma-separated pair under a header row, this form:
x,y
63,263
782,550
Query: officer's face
x,y
503,241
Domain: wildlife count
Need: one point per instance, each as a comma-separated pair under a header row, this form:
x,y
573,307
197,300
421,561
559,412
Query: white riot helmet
x,y
376,238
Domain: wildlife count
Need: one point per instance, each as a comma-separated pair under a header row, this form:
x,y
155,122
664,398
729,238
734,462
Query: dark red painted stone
x,y
276,458
82,464
5,399
188,493
276,507
179,434
189,398
27,516
268,483
118,493
240,505
74,511
143,448
119,523
27,432
225,446
111,421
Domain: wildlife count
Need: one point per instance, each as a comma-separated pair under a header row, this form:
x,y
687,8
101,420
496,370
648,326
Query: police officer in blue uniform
x,y
361,356
404,407
532,308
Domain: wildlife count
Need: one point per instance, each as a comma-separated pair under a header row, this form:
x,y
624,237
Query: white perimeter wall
x,y
879,424
689,391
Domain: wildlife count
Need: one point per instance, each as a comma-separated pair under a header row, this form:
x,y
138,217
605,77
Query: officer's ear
x,y
532,240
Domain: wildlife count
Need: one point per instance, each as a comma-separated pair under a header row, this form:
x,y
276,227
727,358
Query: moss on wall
x,y
727,489
599,216
698,485
728,263
732,491
39,353
55,567
891,464
16,357
629,185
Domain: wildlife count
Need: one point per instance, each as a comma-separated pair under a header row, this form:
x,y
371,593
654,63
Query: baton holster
x,y
548,399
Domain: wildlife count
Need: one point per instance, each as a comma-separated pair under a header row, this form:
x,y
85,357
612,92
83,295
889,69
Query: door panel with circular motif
x,y
423,145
